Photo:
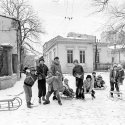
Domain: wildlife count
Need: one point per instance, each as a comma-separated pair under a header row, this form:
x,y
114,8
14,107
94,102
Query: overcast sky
x,y
53,12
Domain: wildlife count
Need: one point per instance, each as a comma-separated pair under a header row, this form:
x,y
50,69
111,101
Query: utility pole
x,y
96,51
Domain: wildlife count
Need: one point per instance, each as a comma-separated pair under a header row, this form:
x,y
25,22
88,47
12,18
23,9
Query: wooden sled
x,y
10,104
102,88
116,93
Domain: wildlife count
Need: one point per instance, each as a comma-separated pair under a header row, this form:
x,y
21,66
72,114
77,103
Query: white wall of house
x,y
50,55
62,53
8,33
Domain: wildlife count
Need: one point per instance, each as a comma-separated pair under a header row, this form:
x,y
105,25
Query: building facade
x,y
70,48
9,51
115,42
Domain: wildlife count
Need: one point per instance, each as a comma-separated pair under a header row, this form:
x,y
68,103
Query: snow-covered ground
x,y
101,111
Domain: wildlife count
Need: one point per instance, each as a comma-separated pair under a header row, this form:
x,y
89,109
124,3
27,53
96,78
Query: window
x,y
82,56
70,56
14,62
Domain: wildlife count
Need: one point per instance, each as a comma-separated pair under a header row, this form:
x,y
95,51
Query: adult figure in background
x,y
114,75
78,73
42,70
56,67
121,74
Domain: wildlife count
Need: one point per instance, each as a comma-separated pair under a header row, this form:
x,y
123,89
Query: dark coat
x,y
42,71
114,77
121,76
78,70
30,79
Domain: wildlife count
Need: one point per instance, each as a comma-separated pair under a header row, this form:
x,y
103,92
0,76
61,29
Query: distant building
x,y
115,41
81,48
9,51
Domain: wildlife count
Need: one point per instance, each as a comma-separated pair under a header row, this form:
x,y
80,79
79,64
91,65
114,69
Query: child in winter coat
x,y
94,79
88,86
53,86
78,73
30,79
100,82
121,74
67,90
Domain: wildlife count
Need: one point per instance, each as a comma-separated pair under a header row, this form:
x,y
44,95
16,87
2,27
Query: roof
x,y
6,45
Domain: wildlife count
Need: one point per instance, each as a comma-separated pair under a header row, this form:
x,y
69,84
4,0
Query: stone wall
x,y
7,81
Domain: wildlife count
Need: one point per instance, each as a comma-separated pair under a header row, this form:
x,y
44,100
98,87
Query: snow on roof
x,y
116,47
6,44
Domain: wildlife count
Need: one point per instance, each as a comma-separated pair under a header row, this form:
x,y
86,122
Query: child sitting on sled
x,y
100,82
29,81
67,90
53,86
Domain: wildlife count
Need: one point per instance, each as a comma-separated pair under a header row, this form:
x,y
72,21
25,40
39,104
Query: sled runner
x,y
102,88
117,93
10,104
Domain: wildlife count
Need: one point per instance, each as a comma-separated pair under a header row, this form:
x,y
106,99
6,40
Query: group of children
x,y
53,87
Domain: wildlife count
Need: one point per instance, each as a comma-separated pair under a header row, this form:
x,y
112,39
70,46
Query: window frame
x,y
83,58
70,56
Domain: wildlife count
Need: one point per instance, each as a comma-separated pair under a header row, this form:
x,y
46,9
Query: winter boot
x,y
55,98
28,105
43,98
46,102
59,102
40,100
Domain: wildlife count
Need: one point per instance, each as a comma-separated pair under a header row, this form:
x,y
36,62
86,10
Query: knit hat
x,y
89,76
56,58
93,72
41,59
115,65
75,61
66,80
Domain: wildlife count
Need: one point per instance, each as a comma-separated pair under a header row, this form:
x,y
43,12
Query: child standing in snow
x,y
53,87
88,86
30,79
94,79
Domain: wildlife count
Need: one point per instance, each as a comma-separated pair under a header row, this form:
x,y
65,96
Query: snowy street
x,y
101,111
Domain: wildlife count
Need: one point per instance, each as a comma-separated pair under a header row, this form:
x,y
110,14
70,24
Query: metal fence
x,y
102,66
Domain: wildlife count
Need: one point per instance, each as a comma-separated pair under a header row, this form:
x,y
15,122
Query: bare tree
x,y
31,27
100,4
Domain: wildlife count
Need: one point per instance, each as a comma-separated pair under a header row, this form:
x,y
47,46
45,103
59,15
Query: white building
x,y
81,48
9,51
